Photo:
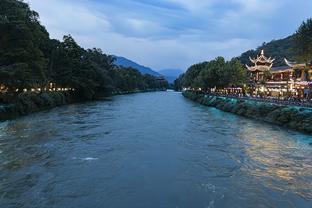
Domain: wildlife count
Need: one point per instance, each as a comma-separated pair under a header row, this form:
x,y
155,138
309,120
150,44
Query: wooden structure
x,y
293,79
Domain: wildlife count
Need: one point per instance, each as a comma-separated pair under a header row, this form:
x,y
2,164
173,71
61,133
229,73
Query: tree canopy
x,y
30,59
303,41
22,38
219,73
297,47
216,73
278,49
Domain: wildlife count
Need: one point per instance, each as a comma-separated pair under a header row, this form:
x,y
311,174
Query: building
x,y
293,79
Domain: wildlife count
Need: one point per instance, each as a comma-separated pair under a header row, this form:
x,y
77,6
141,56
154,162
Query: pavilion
x,y
293,79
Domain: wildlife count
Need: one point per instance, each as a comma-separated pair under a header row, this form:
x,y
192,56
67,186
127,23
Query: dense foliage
x,y
303,41
22,46
278,49
297,47
220,74
30,59
216,73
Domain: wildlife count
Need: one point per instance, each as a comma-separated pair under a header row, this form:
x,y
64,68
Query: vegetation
x,y
278,49
178,83
216,73
23,52
220,74
30,59
295,47
303,42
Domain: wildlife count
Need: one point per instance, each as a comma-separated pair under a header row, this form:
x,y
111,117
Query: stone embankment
x,y
293,117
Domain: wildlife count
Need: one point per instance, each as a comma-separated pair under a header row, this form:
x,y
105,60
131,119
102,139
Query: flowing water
x,y
151,150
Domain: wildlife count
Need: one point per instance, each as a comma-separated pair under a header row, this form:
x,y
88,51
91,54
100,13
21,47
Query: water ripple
x,y
151,150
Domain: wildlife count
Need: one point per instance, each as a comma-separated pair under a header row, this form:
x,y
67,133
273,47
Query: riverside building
x,y
291,80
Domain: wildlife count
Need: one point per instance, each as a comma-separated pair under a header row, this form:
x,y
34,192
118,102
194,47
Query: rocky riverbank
x,y
293,117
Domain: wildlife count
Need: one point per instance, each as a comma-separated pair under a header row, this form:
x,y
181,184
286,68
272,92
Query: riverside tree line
x,y
30,59
221,74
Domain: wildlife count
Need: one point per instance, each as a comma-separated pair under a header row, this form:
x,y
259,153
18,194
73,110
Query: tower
x,y
261,64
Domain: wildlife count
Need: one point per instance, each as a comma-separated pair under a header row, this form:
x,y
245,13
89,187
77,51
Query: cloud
x,y
67,18
194,5
172,33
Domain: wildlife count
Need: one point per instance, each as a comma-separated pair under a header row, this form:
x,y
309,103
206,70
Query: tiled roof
x,y
280,68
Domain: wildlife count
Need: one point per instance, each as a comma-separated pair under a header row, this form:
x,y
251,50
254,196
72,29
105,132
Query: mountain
x,y
171,74
121,61
278,49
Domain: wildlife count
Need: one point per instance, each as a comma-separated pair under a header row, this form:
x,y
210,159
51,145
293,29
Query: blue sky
x,y
172,33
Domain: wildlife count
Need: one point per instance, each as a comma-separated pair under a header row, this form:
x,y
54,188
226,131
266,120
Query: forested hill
x,y
29,59
278,49
121,61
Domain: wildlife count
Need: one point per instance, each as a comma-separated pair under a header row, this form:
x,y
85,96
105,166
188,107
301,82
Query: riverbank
x,y
296,118
31,102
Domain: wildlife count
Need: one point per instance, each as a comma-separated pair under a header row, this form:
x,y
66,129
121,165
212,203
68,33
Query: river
x,y
151,150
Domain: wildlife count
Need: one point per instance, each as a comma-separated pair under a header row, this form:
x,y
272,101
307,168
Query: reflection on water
x,y
151,150
280,161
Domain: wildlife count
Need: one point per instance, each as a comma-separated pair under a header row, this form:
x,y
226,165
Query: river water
x,y
151,150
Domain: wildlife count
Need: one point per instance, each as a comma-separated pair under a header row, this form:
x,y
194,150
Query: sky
x,y
172,33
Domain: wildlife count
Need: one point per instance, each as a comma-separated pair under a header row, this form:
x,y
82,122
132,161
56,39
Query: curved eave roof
x,y
262,60
259,68
294,64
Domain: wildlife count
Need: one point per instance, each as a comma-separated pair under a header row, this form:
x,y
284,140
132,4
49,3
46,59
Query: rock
x,y
288,116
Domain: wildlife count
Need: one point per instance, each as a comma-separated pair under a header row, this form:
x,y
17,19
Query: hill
x,y
121,61
171,74
278,49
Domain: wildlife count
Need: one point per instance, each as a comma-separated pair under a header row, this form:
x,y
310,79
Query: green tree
x,y
237,73
303,41
177,84
22,62
29,58
216,73
72,68
279,49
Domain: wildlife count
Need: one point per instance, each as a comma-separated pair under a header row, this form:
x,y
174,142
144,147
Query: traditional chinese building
x,y
262,65
293,79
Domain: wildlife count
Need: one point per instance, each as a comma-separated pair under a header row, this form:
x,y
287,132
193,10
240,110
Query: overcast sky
x,y
172,33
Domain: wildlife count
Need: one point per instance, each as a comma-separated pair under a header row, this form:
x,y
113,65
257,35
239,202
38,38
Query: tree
x,y
30,59
237,73
279,49
192,73
177,84
216,73
303,41
21,37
